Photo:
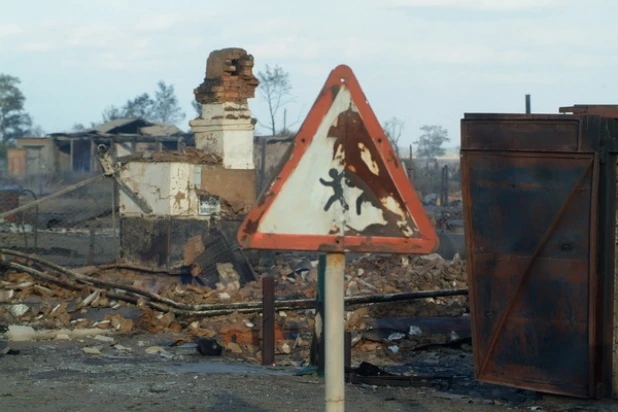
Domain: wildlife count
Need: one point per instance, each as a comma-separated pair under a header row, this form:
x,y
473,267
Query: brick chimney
x,y
225,127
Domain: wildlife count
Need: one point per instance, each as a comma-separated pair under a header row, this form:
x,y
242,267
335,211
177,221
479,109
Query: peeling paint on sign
x,y
341,186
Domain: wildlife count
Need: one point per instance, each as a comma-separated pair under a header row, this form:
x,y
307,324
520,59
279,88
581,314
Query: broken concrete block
x,y
18,310
62,336
102,338
415,331
154,349
6,295
91,350
229,278
19,333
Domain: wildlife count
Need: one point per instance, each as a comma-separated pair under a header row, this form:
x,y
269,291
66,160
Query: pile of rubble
x,y
124,301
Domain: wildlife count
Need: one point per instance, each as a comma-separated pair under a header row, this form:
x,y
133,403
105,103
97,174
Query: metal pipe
x,y
528,108
334,333
268,321
226,308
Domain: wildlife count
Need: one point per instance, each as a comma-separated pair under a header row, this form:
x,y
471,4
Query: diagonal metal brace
x,y
511,302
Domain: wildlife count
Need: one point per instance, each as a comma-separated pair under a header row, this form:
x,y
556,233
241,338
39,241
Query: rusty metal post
x,y
268,321
334,332
444,186
114,203
348,349
91,247
114,187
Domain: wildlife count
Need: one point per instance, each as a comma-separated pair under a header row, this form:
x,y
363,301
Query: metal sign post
x,y
342,189
334,332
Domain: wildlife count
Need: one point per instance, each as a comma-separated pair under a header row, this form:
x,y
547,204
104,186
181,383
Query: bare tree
x,y
393,128
275,89
112,113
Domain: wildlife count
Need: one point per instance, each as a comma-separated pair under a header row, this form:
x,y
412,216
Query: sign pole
x,y
334,332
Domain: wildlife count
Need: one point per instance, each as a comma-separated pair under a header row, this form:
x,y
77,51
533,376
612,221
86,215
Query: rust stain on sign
x,y
365,170
342,188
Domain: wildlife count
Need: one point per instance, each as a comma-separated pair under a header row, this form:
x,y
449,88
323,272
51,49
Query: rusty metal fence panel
x,y
531,195
77,228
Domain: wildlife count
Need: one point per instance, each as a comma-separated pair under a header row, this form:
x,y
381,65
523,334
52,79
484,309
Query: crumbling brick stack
x,y
229,78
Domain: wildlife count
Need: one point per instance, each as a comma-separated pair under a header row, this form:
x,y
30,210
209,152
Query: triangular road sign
x,y
343,189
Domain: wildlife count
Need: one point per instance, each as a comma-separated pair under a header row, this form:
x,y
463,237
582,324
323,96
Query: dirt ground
x,y
58,376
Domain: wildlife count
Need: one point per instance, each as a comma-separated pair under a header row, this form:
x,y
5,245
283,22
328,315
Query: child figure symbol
x,y
337,189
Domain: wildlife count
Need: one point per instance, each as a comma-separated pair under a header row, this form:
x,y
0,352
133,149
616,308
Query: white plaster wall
x,y
225,129
183,198
149,180
168,188
238,149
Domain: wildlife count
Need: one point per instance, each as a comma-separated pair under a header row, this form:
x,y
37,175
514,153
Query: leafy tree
x,y
166,108
431,141
275,89
14,121
141,106
393,128
197,106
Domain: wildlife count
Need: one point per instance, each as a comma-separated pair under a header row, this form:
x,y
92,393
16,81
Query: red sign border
x,y
428,242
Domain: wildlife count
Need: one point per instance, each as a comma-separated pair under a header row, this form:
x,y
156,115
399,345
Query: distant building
x,y
65,153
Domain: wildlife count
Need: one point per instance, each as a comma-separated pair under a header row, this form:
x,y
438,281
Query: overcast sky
x,y
424,61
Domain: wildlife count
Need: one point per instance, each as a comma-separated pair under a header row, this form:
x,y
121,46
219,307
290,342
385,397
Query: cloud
x,y
285,47
162,22
490,5
39,46
9,30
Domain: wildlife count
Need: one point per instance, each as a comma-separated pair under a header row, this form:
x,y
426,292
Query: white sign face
x,y
319,198
342,188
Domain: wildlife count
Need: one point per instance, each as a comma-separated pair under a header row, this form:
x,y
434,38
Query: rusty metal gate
x,y
539,196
